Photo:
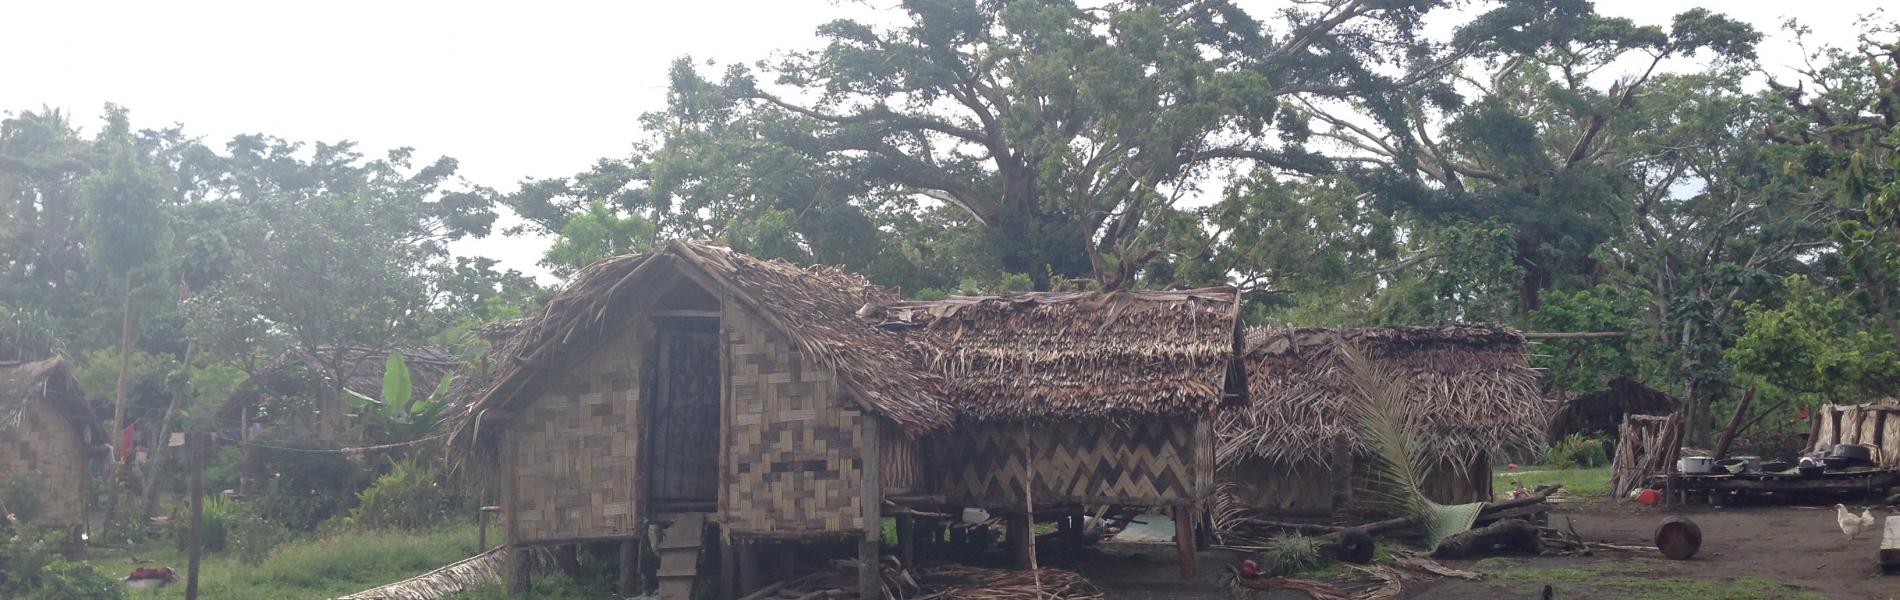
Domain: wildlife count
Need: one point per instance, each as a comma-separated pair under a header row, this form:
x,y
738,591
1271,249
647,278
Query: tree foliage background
x,y
1538,165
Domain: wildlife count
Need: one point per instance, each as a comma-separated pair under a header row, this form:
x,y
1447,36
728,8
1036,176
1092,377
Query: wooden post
x,y
788,560
1184,539
907,539
195,451
1020,529
748,566
629,559
519,572
871,484
728,560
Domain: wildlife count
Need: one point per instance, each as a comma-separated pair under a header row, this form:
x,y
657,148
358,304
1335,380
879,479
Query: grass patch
x,y
1583,482
1634,579
313,569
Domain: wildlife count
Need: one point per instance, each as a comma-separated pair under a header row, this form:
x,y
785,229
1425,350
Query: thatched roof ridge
x,y
816,308
363,372
50,380
1470,388
1045,355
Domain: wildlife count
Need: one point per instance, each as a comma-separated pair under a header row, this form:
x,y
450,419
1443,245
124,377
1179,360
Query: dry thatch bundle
x,y
958,582
1468,390
1077,354
448,581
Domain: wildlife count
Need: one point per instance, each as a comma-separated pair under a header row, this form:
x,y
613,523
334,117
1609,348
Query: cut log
x,y
1678,538
1381,527
1509,536
1890,547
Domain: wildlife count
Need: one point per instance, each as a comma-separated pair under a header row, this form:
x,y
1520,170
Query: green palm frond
x,y
1400,464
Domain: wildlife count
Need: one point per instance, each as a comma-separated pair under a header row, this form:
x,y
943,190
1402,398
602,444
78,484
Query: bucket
x,y
1648,497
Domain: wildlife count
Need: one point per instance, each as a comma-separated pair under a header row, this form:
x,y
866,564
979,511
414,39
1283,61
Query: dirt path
x,y
1747,552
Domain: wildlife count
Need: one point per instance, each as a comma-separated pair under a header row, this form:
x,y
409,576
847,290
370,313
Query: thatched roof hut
x,y
1602,411
301,374
1473,397
48,429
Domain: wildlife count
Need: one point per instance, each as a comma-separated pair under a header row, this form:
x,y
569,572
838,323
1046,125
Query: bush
x,y
33,567
219,513
1291,555
408,498
230,526
301,489
20,495
1578,451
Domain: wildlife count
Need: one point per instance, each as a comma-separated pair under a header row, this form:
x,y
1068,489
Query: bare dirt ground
x,y
1762,552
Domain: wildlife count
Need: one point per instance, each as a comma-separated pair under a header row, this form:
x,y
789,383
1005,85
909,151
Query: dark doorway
x,y
685,423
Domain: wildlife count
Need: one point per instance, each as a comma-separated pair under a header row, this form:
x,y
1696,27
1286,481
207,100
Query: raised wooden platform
x,y
1869,480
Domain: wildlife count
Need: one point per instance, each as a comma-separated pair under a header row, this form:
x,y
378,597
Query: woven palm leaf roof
x,y
363,373
1469,390
1046,355
816,308
50,380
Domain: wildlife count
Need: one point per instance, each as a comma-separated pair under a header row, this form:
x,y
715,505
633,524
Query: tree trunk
x,y
1734,424
148,502
118,410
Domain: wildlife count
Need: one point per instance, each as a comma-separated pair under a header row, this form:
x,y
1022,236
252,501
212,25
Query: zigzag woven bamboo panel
x,y
793,457
1155,462
575,449
45,444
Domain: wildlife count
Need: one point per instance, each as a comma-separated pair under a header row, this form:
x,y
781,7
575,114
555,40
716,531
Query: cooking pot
x,y
1856,453
1695,465
1811,470
1835,463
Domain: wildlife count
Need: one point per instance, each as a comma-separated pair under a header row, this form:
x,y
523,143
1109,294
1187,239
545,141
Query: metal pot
x,y
1695,465
1856,453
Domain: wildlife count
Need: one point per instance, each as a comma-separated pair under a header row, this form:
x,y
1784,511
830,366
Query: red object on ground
x,y
1648,497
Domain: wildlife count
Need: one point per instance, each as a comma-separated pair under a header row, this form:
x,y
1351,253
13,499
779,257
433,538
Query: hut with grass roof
x,y
1293,452
778,403
295,392
48,438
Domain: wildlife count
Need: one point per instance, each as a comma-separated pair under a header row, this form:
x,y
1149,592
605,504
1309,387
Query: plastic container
x,y
1649,497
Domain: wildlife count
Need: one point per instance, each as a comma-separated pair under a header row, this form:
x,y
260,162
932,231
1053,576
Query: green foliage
x,y
1577,451
407,498
220,514
33,567
1289,555
303,489
1583,482
27,334
1585,366
1814,343
596,234
125,221
21,496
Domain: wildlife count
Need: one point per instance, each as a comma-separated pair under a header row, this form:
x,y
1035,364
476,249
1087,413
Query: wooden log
x,y
1022,539
1734,424
907,539
870,484
1509,536
1890,547
1184,539
1678,538
748,566
195,450
1380,527
518,573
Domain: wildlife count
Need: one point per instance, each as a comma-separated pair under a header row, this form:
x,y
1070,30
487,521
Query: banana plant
x,y
399,416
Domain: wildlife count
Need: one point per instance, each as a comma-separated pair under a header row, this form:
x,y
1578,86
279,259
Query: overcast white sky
x,y
512,90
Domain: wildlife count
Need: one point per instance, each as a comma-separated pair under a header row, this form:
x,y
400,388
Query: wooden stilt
x,y
728,576
907,539
518,573
629,568
1022,539
959,542
1184,539
787,560
748,567
871,489
568,556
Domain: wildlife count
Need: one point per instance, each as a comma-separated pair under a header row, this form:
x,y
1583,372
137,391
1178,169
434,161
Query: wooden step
x,y
679,555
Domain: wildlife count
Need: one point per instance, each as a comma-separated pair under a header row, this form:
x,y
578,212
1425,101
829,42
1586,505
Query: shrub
x,y
230,526
33,567
408,497
1578,451
216,533
1290,555
20,495
303,489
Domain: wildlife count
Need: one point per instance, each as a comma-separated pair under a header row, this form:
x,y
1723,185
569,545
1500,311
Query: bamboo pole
x,y
1029,508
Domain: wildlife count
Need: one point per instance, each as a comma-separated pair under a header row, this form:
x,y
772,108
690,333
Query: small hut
x,y
1292,453
295,391
1109,395
696,384
1601,412
47,429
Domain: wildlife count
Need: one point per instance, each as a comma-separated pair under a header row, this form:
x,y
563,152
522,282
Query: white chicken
x,y
1852,524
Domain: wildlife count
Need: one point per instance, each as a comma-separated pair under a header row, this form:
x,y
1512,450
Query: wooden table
x,y
1864,479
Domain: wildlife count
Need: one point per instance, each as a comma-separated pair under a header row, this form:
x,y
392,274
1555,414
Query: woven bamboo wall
x,y
899,463
574,449
793,464
46,444
1155,462
1876,425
